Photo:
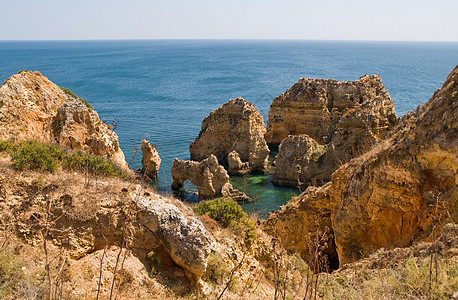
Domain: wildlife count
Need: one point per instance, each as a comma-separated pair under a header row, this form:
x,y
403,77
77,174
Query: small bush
x,y
216,271
154,261
7,147
71,94
48,158
223,210
228,212
319,151
37,156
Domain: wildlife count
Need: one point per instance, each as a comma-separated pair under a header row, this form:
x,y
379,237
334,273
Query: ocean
x,y
163,89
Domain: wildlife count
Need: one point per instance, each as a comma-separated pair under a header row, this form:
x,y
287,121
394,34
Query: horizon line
x,y
227,39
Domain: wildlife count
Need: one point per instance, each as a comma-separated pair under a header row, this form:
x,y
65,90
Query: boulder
x,y
208,176
347,117
236,126
299,158
184,237
398,192
150,160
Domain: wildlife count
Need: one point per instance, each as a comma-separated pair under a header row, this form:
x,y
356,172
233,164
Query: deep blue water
x,y
164,89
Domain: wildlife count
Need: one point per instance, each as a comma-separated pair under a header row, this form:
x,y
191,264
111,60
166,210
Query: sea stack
x,y
237,126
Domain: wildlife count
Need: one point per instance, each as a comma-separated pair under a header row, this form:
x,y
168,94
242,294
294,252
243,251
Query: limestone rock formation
x,y
394,193
298,158
78,128
304,226
150,159
28,104
236,126
208,176
34,108
349,117
184,237
235,164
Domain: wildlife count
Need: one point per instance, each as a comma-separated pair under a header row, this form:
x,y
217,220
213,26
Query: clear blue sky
x,y
413,20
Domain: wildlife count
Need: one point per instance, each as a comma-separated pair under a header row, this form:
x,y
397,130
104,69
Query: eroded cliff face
x,y
236,126
347,117
394,193
208,176
315,106
34,108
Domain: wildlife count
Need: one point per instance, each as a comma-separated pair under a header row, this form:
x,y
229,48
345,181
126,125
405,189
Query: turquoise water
x,y
164,89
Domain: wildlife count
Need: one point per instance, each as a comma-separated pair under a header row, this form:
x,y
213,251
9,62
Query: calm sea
x,y
164,89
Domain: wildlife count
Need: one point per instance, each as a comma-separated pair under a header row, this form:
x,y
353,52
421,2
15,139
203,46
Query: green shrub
x,y
71,94
216,270
37,156
20,71
223,210
228,212
94,164
7,147
319,151
154,261
44,157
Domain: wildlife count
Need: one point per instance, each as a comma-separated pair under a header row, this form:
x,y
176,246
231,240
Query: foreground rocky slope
x,y
238,127
397,192
346,117
34,108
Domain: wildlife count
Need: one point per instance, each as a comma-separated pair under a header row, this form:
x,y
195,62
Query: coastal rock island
x,y
346,118
236,126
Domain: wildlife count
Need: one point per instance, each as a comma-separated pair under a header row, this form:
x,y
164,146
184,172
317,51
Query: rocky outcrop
x,y
235,164
395,193
34,108
349,117
28,104
298,160
236,126
77,127
150,160
208,176
184,237
304,226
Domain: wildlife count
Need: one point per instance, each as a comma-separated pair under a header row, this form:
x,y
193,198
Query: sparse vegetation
x,y
216,271
71,94
154,261
45,157
319,151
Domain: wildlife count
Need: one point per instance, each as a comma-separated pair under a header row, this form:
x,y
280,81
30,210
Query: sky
x,y
398,20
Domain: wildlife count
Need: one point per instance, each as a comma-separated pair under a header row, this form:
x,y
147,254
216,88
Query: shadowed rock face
x,y
236,126
150,160
208,176
394,193
34,108
348,117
